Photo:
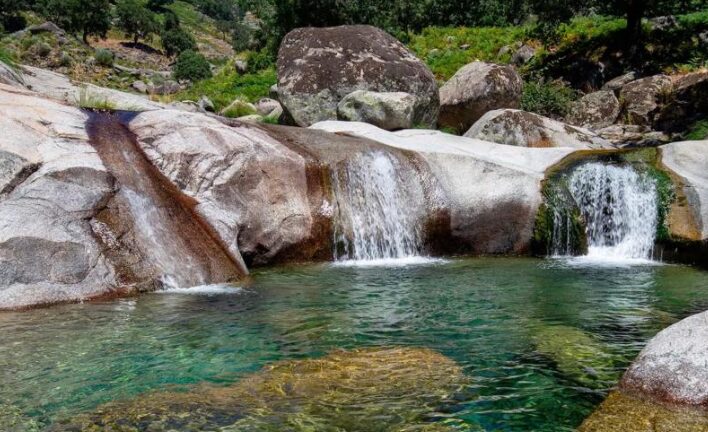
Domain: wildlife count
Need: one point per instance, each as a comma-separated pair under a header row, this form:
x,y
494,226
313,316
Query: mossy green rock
x,y
576,354
377,389
621,412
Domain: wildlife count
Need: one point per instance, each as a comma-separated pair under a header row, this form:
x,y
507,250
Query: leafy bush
x,y
259,60
241,37
238,108
104,57
65,59
699,131
43,49
549,99
176,41
191,66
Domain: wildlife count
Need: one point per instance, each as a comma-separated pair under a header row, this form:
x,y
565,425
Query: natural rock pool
x,y
520,344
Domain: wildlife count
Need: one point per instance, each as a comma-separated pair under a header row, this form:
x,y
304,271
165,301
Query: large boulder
x,y
688,160
672,367
633,135
318,67
468,183
250,188
525,129
595,110
666,387
476,89
52,183
616,84
643,98
686,103
390,111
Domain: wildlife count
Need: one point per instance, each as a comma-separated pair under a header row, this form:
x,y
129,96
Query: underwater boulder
x,y
372,389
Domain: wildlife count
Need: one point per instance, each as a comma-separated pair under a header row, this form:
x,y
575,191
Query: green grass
x,y
227,85
8,57
88,100
699,131
484,44
584,28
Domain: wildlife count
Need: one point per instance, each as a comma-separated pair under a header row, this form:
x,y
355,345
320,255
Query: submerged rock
x,y
390,111
318,67
525,129
373,389
476,89
622,412
577,355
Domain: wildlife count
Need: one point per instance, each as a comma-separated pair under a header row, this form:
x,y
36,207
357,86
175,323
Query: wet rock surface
x,y
318,67
371,389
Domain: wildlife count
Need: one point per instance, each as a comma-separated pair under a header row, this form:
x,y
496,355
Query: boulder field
x,y
74,209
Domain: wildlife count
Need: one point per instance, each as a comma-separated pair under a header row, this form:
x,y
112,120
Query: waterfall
x,y
374,219
620,210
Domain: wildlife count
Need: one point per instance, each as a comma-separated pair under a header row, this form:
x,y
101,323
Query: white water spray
x,y
374,221
620,210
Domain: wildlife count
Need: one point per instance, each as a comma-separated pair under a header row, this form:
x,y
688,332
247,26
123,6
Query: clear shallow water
x,y
515,325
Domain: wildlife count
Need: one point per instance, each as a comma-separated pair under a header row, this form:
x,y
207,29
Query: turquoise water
x,y
542,341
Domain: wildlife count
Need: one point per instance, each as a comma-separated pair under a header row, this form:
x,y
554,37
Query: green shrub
x,y
175,41
104,57
191,66
241,37
238,108
699,131
228,85
43,49
65,59
549,99
259,60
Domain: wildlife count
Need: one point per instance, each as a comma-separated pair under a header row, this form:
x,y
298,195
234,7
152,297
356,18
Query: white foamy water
x,y
620,210
213,289
374,222
390,262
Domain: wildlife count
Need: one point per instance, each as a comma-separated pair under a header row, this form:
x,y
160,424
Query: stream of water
x,y
510,324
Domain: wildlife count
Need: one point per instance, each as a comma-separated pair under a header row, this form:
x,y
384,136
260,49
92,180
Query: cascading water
x,y
619,207
374,220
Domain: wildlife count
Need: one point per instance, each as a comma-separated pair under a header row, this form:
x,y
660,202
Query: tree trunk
x,y
635,12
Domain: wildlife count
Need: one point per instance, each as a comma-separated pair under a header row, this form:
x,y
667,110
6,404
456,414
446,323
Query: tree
x,y
135,19
191,66
84,17
176,41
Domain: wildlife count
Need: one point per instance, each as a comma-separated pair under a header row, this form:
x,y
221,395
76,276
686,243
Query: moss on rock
x,y
621,412
376,389
577,355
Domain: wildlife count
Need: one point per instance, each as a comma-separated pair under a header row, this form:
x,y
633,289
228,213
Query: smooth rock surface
x,y
615,84
52,183
318,67
390,111
689,160
10,76
672,367
525,129
251,189
595,110
470,184
476,89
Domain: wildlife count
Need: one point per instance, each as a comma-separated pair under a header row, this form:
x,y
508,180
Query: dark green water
x,y
542,341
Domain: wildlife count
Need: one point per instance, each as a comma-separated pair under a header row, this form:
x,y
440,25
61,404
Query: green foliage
x,y
238,108
158,5
176,41
135,19
227,85
88,100
43,49
8,57
447,49
548,99
699,131
241,37
192,66
259,60
104,57
84,17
